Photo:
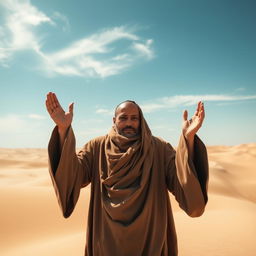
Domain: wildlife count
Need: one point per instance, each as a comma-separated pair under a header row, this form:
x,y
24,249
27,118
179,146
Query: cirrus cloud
x,y
189,100
96,55
173,102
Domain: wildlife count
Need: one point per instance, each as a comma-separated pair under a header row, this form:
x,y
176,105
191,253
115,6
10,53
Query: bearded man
x,y
130,172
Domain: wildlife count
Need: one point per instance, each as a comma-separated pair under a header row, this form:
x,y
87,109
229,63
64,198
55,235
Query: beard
x,y
128,132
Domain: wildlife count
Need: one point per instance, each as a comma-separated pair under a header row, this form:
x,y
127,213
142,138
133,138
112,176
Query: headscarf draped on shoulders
x,y
129,162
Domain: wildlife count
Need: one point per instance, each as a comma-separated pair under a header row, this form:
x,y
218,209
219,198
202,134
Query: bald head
x,y
127,119
123,104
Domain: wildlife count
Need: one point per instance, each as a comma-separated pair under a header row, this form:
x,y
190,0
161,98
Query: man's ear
x,y
114,120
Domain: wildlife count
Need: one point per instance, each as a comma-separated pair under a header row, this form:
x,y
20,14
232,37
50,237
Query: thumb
x,y
185,115
71,107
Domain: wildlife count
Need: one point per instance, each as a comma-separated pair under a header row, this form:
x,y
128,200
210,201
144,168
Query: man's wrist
x,y
62,130
189,137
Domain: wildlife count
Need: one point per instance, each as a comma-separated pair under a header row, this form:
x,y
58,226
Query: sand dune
x,y
31,222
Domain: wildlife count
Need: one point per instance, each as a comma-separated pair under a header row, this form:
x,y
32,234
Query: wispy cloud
x,y
65,22
189,100
9,123
93,56
21,18
173,102
144,49
240,89
104,111
36,116
96,55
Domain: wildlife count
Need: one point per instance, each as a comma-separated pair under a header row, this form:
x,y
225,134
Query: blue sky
x,y
165,55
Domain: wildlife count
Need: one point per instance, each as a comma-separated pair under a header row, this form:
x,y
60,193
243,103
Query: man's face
x,y
127,120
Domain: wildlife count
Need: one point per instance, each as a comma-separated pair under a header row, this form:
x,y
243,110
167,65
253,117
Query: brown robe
x,y
130,212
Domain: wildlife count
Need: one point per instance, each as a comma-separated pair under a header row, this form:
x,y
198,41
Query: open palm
x,y
190,127
61,118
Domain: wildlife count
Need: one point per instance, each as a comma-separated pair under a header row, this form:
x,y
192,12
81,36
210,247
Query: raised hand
x,y
190,127
61,118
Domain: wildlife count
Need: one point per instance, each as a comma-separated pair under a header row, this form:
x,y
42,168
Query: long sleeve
x,y
187,178
69,171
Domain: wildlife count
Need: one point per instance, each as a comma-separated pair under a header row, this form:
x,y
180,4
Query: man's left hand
x,y
190,127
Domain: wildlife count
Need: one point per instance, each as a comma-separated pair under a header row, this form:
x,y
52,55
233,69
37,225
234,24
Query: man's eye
x,y
122,118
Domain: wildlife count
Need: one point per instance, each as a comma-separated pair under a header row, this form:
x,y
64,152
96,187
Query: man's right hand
x,y
61,118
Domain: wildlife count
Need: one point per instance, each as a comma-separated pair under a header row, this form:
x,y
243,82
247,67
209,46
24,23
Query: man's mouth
x,y
129,130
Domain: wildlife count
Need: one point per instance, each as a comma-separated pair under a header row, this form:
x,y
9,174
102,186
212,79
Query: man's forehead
x,y
127,108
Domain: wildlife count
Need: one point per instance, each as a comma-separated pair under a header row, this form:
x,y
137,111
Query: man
x,y
130,172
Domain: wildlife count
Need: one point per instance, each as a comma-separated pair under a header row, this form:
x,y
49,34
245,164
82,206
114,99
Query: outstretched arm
x,y
61,118
187,179
69,171
191,127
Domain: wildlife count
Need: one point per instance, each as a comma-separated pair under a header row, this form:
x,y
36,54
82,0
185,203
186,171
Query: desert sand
x,y
32,224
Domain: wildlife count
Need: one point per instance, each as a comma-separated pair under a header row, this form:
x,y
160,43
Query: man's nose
x,y
128,122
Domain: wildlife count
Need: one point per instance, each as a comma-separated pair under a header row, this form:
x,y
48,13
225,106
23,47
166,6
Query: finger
x,y
50,99
185,115
201,114
201,107
71,108
198,108
50,103
48,107
56,103
202,111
